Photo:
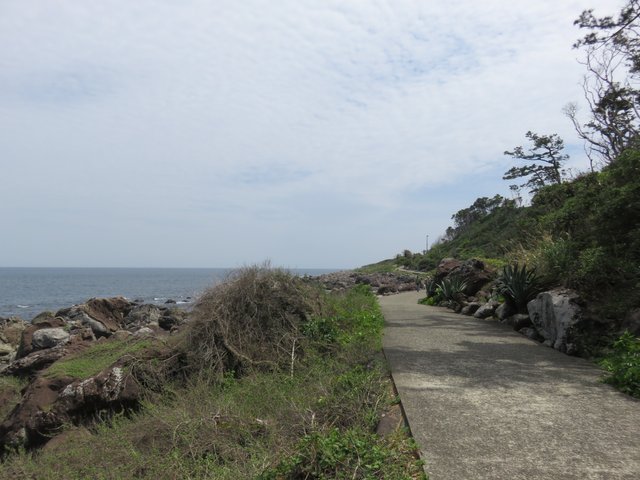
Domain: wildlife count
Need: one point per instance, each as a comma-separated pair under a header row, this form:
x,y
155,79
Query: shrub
x,y
623,365
518,286
252,320
450,287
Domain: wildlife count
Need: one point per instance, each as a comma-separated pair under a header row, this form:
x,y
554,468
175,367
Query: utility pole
x,y
427,244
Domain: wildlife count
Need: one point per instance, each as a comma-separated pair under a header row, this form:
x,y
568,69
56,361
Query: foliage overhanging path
x,y
484,402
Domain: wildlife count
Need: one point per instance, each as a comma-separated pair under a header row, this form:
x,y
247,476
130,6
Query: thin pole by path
x,y
484,402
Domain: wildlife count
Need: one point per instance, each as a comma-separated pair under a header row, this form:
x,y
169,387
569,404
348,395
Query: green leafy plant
x,y
518,285
450,287
623,365
427,301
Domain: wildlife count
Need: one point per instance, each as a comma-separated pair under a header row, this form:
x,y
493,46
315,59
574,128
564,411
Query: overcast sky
x,y
326,133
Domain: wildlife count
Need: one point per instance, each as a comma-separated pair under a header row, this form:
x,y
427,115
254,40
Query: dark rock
x,y
505,310
387,289
473,272
487,310
142,315
446,267
172,318
44,317
470,308
170,301
35,361
531,333
519,321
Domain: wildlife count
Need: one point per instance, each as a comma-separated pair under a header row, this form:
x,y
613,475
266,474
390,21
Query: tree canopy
x,y
545,159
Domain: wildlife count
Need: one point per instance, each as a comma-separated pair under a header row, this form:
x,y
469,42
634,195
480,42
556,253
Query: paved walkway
x,y
484,402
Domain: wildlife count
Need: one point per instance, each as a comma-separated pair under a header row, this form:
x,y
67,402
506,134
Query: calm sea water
x,y
25,292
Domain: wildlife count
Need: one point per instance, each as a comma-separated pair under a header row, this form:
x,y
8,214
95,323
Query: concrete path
x,y
484,402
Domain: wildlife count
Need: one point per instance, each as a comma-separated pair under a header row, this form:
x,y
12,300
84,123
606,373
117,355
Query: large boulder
x,y
487,310
35,361
103,315
470,308
473,272
49,338
141,316
172,318
556,316
26,340
446,267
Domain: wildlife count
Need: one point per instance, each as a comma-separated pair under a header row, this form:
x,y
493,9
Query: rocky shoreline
x,y
49,401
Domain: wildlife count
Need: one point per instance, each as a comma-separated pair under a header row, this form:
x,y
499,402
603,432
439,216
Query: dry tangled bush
x,y
252,320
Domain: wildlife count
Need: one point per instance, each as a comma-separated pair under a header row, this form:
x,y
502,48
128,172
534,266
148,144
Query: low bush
x,y
623,365
252,320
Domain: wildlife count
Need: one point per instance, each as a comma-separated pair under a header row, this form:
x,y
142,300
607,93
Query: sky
x,y
311,133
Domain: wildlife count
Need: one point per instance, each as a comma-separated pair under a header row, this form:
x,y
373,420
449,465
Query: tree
x,y
612,58
545,162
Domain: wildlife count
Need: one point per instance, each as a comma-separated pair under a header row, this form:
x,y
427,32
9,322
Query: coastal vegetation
x,y
272,378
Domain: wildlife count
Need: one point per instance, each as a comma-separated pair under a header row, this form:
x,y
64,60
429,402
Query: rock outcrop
x,y
473,272
53,399
50,403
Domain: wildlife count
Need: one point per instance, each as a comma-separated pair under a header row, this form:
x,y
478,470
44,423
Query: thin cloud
x,y
234,113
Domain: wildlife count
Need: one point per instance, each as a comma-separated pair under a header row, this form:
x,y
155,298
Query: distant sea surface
x,y
25,292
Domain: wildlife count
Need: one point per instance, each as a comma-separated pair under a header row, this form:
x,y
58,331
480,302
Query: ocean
x,y
26,292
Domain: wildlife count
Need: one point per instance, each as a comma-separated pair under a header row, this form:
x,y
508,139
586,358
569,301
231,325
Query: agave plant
x,y
450,287
518,285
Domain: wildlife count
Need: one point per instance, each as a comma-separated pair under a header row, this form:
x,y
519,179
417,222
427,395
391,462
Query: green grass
x,y
261,425
96,358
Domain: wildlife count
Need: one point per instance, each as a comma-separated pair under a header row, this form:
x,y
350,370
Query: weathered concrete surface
x,y
484,402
